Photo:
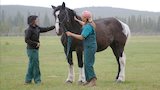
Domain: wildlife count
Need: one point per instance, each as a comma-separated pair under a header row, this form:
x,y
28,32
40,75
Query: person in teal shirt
x,y
88,36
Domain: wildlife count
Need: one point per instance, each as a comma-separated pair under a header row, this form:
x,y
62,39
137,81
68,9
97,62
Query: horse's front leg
x,y
71,75
82,78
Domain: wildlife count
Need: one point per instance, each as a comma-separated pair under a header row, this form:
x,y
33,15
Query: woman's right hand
x,y
75,18
38,45
68,33
81,22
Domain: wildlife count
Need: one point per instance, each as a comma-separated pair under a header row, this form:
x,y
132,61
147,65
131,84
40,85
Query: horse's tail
x,y
126,30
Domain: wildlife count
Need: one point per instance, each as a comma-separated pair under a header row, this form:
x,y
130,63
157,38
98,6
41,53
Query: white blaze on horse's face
x,y
57,21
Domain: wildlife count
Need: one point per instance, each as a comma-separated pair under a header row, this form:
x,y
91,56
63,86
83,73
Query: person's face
x,y
35,22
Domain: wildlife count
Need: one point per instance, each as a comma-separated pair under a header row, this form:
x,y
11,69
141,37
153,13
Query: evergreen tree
x,y
158,24
46,21
139,23
3,23
19,23
28,14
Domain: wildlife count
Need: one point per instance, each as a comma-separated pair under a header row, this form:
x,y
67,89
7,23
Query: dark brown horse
x,y
109,32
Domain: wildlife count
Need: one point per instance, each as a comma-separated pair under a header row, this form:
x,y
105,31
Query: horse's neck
x,y
75,26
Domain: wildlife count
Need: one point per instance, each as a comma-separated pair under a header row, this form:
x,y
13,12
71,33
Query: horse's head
x,y
63,18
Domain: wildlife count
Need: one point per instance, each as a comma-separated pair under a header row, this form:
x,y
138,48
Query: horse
x,y
109,32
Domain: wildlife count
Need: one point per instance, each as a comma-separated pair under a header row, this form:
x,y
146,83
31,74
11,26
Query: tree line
x,y
145,25
15,26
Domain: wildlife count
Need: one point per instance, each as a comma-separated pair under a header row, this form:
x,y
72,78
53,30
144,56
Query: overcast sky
x,y
144,5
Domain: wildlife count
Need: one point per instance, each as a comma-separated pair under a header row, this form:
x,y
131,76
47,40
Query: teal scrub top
x,y
89,35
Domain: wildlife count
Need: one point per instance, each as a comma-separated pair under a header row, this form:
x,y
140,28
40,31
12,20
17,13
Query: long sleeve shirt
x,y
32,35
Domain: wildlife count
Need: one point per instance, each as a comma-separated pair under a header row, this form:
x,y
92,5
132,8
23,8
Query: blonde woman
x,y
88,36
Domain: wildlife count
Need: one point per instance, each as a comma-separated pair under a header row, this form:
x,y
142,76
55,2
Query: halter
x,y
69,38
66,16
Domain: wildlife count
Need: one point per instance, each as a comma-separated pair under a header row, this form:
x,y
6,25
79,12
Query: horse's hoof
x,y
80,82
119,81
69,82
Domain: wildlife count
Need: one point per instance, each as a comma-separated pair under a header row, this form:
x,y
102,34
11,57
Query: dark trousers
x,y
89,59
33,71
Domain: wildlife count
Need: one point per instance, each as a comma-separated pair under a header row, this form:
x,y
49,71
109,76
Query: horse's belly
x,y
101,47
102,44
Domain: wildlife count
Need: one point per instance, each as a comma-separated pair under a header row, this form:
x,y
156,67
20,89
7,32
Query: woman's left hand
x,y
90,19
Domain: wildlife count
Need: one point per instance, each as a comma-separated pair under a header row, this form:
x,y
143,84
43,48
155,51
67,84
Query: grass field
x,y
142,67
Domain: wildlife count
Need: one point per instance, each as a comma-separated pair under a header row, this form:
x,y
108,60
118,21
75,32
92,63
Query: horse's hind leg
x,y
71,75
81,79
122,61
118,50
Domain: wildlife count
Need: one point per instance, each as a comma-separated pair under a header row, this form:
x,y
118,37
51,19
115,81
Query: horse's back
x,y
107,31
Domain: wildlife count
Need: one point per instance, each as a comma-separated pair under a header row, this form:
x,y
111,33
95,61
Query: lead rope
x,y
69,42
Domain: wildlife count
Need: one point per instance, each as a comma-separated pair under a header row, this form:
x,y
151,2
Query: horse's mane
x,y
72,13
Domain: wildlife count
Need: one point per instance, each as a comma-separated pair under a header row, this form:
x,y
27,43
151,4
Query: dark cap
x,y
31,19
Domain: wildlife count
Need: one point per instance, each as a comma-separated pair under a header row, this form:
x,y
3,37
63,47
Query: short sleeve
x,y
87,30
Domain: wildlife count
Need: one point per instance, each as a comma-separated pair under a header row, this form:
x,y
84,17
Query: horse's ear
x,y
53,7
63,5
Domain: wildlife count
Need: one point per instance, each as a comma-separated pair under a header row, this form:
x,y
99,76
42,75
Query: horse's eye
x,y
58,16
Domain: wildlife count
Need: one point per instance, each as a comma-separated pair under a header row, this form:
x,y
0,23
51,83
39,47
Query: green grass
x,y
142,67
